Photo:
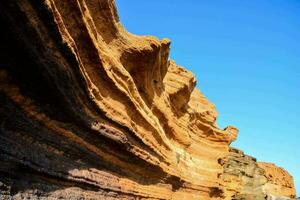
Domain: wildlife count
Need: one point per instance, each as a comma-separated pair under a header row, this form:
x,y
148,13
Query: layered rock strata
x,y
90,111
245,178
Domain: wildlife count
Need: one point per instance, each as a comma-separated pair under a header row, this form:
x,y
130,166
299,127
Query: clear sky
x,y
246,57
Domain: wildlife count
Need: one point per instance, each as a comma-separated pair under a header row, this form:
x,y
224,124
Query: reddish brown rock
x,y
90,111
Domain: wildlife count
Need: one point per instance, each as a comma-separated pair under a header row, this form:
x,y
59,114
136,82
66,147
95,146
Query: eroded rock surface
x,y
280,183
245,178
90,111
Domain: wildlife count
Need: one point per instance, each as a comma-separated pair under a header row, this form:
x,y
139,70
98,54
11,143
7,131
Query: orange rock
x,y
90,111
279,182
108,110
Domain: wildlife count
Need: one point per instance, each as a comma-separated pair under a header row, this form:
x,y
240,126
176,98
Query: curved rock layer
x,y
89,110
245,178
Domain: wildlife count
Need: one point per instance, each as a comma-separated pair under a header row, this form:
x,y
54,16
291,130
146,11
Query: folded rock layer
x,y
90,111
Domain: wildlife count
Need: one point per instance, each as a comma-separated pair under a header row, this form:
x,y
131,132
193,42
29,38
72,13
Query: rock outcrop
x,y
245,178
280,183
90,111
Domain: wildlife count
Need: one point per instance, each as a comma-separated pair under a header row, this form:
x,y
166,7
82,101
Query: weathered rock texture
x,y
245,178
279,182
90,111
248,177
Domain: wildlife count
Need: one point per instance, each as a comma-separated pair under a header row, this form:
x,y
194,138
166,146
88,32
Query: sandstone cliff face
x,y
245,178
90,111
279,182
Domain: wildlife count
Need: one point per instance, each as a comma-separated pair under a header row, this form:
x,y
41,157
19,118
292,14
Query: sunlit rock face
x,y
245,178
90,111
280,184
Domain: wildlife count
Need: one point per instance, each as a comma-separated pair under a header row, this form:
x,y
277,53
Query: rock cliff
x,y
245,178
279,182
90,111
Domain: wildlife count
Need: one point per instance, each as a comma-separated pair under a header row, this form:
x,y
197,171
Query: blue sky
x,y
246,57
